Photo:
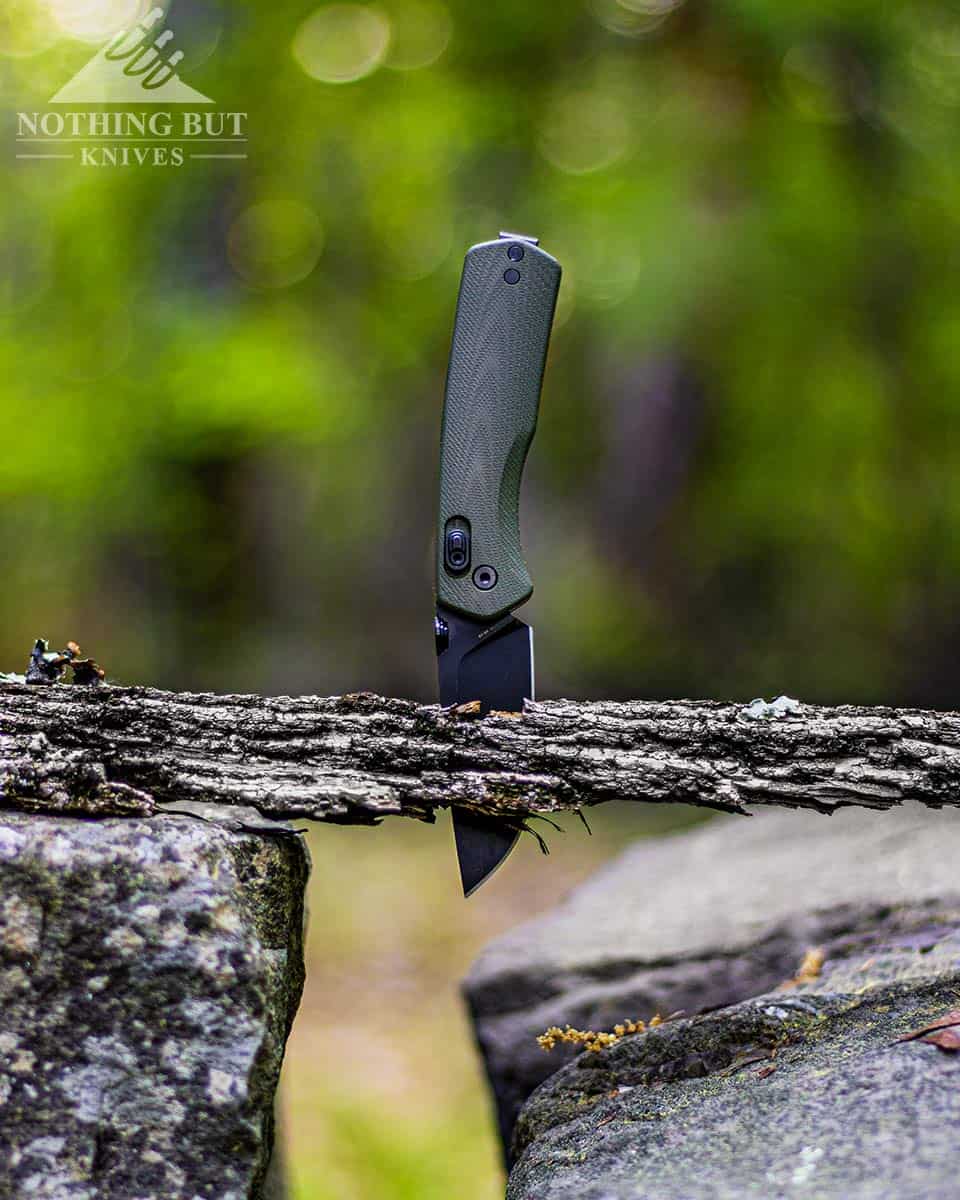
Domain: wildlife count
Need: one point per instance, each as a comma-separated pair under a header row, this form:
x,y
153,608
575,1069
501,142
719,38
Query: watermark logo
x,y
133,68
137,67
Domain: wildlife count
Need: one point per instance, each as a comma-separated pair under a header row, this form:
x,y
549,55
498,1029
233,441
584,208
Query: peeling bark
x,y
358,758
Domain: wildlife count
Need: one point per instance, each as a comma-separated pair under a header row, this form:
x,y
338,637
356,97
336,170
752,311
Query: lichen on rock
x,y
809,1094
149,973
801,954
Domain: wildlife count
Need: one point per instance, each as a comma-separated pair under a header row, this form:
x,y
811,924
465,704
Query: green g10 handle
x,y
508,294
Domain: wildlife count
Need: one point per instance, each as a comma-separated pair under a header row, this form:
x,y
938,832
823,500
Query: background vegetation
x,y
220,394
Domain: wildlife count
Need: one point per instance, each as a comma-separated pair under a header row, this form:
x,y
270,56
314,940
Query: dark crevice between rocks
x,y
772,959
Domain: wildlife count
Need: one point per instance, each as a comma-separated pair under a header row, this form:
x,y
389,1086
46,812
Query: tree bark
x,y
358,758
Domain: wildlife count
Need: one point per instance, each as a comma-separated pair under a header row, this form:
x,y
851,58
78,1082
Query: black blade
x,y
482,845
492,663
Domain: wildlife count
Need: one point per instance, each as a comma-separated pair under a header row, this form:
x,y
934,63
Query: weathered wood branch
x,y
356,759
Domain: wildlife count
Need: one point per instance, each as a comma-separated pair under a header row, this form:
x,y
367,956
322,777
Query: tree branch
x,y
356,759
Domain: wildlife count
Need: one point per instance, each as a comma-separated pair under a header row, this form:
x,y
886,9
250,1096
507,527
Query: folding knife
x,y
508,293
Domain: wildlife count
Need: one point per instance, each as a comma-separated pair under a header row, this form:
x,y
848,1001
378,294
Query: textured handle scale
x,y
489,417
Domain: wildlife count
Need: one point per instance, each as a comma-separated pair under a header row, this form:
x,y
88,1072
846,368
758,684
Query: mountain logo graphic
x,y
132,69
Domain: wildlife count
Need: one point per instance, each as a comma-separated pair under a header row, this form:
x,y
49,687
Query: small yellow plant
x,y
592,1041
810,969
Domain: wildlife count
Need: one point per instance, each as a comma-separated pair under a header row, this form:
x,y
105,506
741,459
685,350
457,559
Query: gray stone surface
x,y
701,920
149,973
798,1095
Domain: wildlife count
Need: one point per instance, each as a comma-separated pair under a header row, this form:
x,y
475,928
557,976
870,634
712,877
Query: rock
x,y
799,1094
701,920
149,973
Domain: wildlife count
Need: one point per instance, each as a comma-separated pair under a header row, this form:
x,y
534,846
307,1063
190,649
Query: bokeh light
x,y
342,43
199,30
420,32
26,28
275,243
584,131
95,21
415,244
605,275
633,18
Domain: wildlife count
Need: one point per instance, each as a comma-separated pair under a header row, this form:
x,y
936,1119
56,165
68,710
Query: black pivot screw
x,y
512,275
485,578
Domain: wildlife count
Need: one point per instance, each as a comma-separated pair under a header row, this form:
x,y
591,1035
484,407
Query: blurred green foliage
x,y
221,384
